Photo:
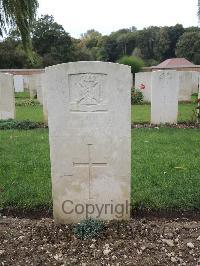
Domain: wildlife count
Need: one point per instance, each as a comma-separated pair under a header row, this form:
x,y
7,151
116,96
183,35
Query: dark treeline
x,y
53,45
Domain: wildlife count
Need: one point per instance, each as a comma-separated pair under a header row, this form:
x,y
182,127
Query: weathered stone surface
x,y
7,99
19,83
195,81
33,85
164,98
44,81
186,85
26,83
144,78
89,119
39,81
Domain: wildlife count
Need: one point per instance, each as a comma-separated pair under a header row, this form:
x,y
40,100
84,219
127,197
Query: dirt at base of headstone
x,y
136,242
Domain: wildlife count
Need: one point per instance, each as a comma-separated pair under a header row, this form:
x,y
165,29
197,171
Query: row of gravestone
x,y
189,82
89,116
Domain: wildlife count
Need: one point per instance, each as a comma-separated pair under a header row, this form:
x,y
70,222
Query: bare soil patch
x,y
140,241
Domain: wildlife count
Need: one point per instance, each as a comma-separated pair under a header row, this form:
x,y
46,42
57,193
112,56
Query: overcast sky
x,y
77,16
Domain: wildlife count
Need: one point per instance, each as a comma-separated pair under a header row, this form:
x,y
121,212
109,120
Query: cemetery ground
x,y
164,229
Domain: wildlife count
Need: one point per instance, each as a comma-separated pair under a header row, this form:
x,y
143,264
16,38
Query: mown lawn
x,y
142,113
165,170
33,113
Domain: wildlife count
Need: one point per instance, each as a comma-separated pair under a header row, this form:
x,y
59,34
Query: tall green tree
x,y
20,13
188,46
51,41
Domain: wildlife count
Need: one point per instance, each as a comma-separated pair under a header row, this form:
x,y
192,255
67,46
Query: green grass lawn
x,y
33,113
29,112
165,170
142,113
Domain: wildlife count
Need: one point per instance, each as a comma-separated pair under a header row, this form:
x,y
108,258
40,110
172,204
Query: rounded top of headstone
x,y
90,64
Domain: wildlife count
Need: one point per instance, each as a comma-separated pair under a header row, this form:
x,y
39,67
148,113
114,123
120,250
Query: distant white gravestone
x,y
143,84
164,98
44,84
186,85
19,83
39,80
89,115
33,83
7,99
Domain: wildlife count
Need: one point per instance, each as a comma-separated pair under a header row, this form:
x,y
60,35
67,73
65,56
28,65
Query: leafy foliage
x,y
189,46
53,45
27,102
136,96
88,229
135,63
22,14
13,124
51,41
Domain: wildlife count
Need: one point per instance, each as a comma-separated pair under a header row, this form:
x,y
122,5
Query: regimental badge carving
x,y
166,75
90,89
87,92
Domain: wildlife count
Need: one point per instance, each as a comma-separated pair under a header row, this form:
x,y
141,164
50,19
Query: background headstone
x,y
195,81
144,78
39,88
186,85
26,83
33,86
164,98
19,83
44,81
7,97
89,115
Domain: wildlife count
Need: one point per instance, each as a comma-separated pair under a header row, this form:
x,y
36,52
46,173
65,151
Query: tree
x,y
91,38
13,55
189,46
20,13
51,41
147,41
162,44
135,63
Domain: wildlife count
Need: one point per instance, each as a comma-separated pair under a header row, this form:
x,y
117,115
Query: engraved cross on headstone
x,y
90,165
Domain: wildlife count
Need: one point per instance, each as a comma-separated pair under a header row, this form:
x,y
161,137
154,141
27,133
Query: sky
x,y
106,16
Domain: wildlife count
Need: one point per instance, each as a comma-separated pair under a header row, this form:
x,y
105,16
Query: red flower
x,y
142,86
198,100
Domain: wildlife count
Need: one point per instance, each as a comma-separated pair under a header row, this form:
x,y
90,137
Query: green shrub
x,y
135,63
88,229
27,102
136,96
25,125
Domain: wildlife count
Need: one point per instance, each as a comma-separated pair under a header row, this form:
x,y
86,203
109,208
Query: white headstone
x,y
195,81
198,110
39,88
44,80
7,98
19,83
89,115
185,85
143,83
26,82
33,86
164,98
